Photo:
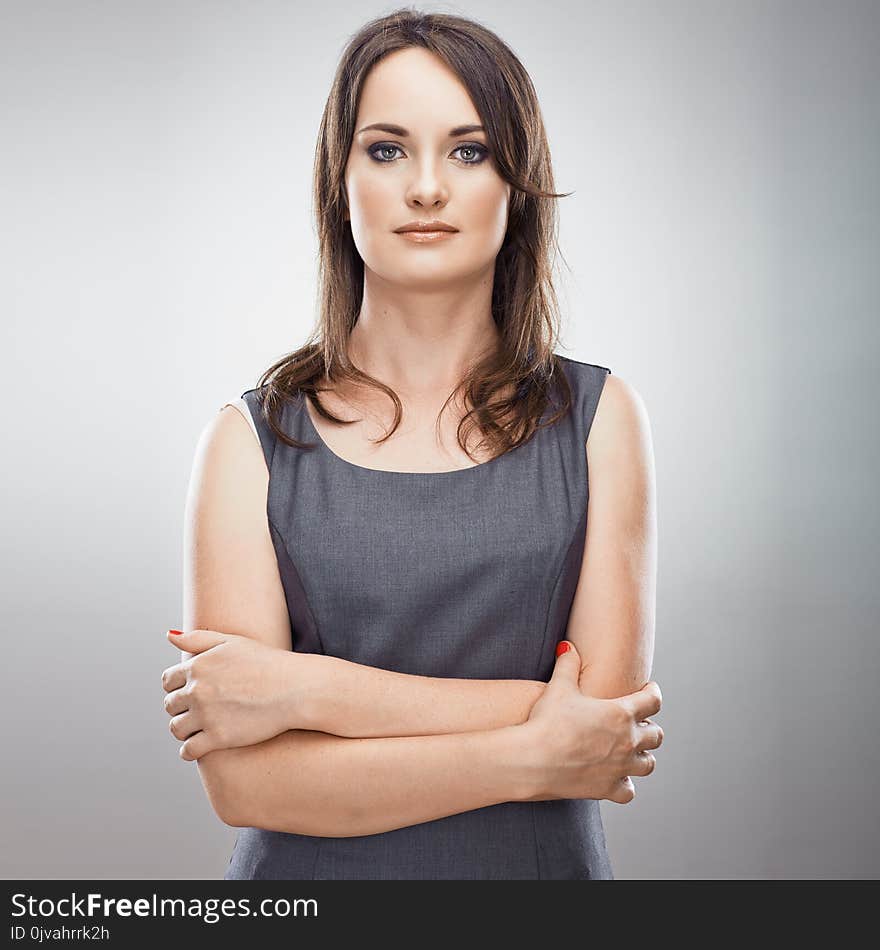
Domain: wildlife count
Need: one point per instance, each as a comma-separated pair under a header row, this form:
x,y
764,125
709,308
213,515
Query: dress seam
x,y
554,589
537,848
317,855
317,634
550,606
299,578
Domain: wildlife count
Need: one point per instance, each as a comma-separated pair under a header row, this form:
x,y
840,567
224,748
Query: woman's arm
x,y
232,584
316,784
612,616
354,700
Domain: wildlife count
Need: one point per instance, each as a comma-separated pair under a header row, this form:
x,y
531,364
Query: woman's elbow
x,y
221,782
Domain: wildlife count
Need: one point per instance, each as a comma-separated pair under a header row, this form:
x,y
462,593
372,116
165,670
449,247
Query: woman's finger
x,y
174,677
650,700
624,791
176,702
184,725
644,702
650,735
196,746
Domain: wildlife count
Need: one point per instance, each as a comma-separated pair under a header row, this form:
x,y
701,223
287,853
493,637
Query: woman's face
x,y
421,172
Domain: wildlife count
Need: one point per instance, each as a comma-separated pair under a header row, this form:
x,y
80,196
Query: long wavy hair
x,y
524,303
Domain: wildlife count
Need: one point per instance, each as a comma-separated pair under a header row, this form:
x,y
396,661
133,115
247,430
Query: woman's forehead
x,y
411,88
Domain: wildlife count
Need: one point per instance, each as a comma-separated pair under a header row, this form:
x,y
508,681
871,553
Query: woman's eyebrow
x,y
403,133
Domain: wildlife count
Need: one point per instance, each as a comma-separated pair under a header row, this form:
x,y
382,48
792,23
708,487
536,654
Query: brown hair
x,y
524,304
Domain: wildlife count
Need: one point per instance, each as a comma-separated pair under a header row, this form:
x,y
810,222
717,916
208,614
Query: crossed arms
x,y
385,749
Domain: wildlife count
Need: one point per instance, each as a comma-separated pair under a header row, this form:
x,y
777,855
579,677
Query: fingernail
x,y
176,633
562,647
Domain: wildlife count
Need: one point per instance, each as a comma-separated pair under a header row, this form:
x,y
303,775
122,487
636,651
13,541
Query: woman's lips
x,y
426,237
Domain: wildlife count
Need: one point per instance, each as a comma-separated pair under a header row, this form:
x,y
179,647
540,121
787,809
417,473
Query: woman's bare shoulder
x,y
621,420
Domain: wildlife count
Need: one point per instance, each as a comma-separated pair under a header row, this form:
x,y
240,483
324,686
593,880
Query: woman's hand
x,y
231,691
584,747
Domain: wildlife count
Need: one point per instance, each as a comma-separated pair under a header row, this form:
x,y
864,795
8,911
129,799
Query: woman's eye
x,y
376,149
479,151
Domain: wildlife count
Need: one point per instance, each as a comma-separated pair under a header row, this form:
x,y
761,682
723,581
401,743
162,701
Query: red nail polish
x,y
562,647
176,633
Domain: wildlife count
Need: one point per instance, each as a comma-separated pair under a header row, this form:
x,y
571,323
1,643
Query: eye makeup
x,y
481,151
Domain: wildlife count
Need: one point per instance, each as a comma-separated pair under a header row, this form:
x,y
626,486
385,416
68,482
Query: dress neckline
x,y
391,473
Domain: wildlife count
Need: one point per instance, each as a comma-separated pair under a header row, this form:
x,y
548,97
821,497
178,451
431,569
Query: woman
x,y
374,683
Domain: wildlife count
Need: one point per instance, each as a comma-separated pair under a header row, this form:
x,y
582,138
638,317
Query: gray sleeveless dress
x,y
469,573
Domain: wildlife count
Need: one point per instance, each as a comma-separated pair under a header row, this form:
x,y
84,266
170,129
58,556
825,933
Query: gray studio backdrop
x,y
723,249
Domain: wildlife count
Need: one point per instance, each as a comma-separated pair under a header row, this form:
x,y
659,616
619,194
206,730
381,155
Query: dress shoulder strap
x,y
252,400
587,381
